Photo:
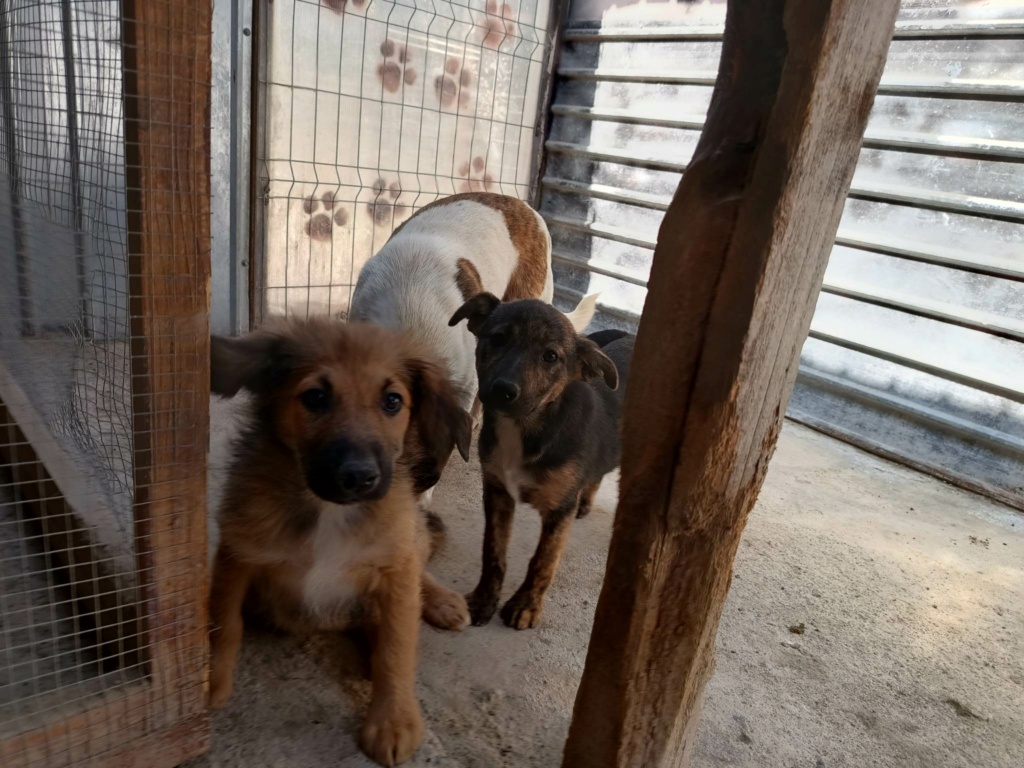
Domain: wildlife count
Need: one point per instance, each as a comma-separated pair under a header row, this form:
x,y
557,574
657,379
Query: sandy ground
x,y
876,619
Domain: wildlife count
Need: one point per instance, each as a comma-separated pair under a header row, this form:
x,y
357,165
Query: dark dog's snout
x,y
504,392
358,476
344,473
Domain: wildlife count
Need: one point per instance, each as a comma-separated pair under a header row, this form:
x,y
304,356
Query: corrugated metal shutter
x,y
917,343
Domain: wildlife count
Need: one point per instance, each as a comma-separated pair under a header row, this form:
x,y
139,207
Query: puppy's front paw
x,y
220,689
446,609
392,731
482,606
522,611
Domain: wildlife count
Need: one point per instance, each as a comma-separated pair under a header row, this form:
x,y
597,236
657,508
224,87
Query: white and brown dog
x,y
447,252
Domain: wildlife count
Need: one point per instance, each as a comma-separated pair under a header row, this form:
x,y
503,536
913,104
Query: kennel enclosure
x,y
351,116
591,110
367,111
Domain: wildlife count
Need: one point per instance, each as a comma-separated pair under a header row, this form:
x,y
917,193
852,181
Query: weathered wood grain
x,y
737,269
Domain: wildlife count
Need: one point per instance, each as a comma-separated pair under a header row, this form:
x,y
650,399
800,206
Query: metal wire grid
x,y
63,151
86,605
43,163
50,652
371,110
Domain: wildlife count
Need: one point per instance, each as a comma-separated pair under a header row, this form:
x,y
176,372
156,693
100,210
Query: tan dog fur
x,y
308,563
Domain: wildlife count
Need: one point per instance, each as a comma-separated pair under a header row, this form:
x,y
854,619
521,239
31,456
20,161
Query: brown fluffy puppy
x,y
319,525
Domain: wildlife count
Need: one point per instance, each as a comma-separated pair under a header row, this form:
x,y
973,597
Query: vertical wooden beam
x,y
736,273
167,169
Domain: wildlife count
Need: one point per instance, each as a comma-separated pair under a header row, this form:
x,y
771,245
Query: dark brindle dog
x,y
551,402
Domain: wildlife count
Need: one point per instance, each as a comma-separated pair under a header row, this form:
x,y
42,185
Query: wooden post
x,y
167,170
736,273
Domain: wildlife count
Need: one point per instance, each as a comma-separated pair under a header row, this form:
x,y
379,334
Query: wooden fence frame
x,y
739,262
162,719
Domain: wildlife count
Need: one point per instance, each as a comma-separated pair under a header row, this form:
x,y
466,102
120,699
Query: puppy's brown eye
x,y
316,400
550,356
392,402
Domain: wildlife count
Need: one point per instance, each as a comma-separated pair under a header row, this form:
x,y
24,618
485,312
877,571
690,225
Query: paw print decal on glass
x,y
498,24
392,72
475,175
323,215
454,84
338,6
385,203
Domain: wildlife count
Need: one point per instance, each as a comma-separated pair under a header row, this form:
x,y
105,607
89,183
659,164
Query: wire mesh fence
x,y
367,111
103,393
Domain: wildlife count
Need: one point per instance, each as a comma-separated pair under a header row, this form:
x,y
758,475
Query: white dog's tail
x,y
584,312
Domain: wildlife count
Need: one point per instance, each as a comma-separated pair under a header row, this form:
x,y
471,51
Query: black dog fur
x,y
552,400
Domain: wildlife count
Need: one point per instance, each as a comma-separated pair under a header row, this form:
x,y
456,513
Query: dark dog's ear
x,y
594,363
256,362
476,310
441,421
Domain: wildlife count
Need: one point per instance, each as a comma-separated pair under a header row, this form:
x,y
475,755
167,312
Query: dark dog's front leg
x,y
523,610
499,508
587,499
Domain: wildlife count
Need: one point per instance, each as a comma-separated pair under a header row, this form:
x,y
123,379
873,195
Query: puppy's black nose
x,y
504,392
359,477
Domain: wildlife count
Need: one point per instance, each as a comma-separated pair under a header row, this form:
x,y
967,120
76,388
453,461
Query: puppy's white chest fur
x,y
507,460
336,552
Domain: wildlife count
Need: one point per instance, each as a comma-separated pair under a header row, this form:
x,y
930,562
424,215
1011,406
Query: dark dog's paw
x,y
582,510
481,607
522,611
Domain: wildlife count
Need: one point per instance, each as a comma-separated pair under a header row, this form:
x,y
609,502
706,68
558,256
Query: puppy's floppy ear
x,y
442,423
594,363
476,310
256,362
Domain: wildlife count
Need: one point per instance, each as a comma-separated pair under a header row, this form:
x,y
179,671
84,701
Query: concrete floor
x,y
910,595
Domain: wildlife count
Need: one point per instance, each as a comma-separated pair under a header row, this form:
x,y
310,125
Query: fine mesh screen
x,y
79,573
371,110
64,315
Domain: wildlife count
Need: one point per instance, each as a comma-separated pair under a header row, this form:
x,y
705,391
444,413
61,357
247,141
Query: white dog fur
x,y
413,283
